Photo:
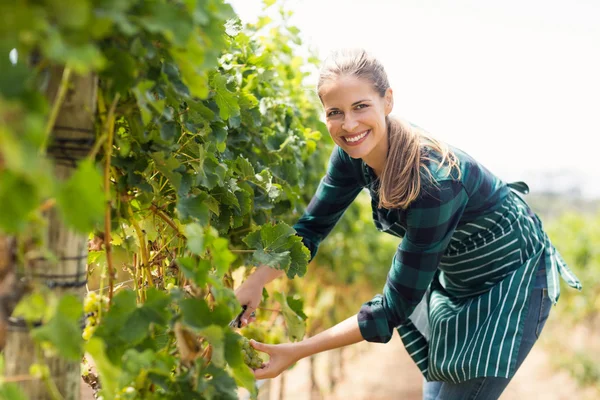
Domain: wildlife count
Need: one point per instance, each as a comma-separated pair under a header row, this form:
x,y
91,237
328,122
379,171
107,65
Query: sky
x,y
514,83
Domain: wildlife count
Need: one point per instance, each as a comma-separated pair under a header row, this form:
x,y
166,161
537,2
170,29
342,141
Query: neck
x,y
376,159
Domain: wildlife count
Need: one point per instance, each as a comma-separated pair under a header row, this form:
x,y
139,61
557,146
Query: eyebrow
x,y
353,104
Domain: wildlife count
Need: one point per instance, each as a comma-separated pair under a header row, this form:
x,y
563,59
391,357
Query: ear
x,y
389,101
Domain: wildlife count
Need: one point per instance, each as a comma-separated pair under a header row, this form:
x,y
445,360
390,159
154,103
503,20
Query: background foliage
x,y
214,145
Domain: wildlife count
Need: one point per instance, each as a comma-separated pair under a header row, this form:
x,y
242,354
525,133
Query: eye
x,y
333,113
362,105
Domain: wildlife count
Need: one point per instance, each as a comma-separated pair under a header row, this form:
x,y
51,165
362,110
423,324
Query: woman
x,y
473,279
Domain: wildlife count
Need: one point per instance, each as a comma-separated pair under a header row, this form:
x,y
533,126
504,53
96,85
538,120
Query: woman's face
x,y
355,115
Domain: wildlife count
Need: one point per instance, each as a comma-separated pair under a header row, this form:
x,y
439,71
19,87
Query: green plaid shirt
x,y
469,251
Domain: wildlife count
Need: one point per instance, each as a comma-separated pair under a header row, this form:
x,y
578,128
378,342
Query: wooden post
x,y
72,138
7,284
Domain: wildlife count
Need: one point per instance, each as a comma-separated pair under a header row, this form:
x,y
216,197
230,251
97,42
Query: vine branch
x,y
58,100
109,128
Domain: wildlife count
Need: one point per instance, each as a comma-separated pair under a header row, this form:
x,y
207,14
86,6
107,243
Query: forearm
x,y
343,334
266,274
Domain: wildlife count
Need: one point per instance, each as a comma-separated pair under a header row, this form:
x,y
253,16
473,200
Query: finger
x,y
251,320
247,314
263,373
265,348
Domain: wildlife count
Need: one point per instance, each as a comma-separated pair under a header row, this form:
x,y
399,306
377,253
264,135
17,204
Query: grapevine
x,y
208,146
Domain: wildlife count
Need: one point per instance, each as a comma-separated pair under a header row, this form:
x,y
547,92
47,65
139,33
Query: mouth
x,y
353,140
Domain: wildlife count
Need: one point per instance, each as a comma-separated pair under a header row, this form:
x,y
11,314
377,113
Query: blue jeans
x,y
490,388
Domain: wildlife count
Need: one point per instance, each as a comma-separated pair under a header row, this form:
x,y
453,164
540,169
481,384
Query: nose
x,y
349,123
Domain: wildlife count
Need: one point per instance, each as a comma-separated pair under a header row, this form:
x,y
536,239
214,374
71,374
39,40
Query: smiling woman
x,y
355,91
471,284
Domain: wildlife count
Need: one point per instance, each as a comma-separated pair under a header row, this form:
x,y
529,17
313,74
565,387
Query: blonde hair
x,y
401,180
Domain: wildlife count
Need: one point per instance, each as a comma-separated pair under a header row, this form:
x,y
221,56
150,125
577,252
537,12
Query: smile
x,y
355,139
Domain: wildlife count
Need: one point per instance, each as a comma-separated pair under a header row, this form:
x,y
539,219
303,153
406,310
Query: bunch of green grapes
x,y
264,332
93,305
251,356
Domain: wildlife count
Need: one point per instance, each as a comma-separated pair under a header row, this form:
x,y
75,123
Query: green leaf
x,y
144,98
196,271
135,362
226,100
300,256
18,197
169,131
154,310
216,337
270,238
278,247
12,391
195,238
196,313
121,69
241,372
109,374
295,324
244,168
173,22
222,257
247,100
81,57
81,198
127,323
190,58
297,305
194,207
63,330
233,349
167,167
280,260
31,308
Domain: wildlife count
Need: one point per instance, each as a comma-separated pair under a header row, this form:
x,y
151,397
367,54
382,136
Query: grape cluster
x,y
92,305
264,332
251,356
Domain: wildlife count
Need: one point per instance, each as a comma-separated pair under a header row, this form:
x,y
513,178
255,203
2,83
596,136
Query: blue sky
x,y
514,83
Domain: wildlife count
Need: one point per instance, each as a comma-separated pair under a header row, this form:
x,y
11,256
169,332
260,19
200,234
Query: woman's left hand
x,y
281,357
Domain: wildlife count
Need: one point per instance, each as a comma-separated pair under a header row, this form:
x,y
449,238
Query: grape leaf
x,y
295,324
277,246
241,372
216,337
226,100
108,372
196,271
194,207
63,329
18,197
297,305
300,256
195,238
81,199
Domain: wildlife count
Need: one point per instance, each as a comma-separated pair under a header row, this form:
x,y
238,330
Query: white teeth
x,y
356,138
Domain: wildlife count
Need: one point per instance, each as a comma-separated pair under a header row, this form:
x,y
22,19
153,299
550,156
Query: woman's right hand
x,y
249,294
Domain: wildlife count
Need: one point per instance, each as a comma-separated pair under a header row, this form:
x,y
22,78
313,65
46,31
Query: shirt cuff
x,y
373,322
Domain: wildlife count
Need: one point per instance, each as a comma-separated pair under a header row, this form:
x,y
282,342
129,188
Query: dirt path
x,y
385,372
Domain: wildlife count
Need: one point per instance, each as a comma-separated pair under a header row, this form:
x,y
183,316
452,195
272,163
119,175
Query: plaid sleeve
x,y
335,193
431,221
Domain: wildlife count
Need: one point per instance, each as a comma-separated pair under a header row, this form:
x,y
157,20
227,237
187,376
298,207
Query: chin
x,y
357,152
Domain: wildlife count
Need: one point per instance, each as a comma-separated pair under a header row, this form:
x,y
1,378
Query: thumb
x,y
247,315
265,348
